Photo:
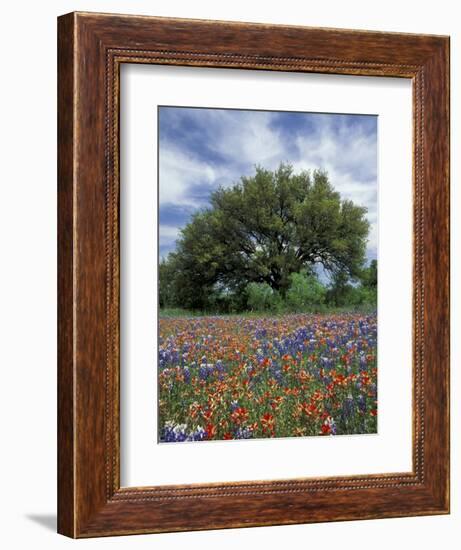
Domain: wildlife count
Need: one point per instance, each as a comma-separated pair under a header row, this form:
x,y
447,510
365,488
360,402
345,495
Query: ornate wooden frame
x,y
91,49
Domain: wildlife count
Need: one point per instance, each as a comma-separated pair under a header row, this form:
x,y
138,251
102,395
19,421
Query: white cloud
x,y
168,234
247,137
179,173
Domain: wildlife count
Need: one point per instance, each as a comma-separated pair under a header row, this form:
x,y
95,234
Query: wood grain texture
x,y
66,487
91,49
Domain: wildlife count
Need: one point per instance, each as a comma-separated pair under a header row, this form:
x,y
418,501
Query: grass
x,y
173,312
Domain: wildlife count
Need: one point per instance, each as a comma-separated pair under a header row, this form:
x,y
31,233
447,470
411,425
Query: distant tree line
x,y
259,244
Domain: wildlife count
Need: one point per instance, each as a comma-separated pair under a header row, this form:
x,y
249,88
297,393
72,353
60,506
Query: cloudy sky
x,y
200,149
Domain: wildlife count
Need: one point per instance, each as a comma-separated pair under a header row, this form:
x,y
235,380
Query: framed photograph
x,y
253,259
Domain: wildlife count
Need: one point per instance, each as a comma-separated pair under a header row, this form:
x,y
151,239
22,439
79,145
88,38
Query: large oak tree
x,y
263,229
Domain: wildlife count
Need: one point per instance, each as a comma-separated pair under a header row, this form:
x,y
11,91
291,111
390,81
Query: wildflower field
x,y
241,377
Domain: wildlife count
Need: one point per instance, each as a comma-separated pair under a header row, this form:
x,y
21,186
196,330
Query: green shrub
x,y
349,295
306,293
261,297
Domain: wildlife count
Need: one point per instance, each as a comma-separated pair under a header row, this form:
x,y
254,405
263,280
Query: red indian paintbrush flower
x,y
239,415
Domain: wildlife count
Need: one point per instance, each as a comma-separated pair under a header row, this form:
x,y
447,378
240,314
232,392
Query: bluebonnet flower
x,y
199,434
243,433
362,403
173,432
348,407
203,371
333,426
186,373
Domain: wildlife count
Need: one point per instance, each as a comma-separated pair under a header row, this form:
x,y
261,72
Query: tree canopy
x,y
262,230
